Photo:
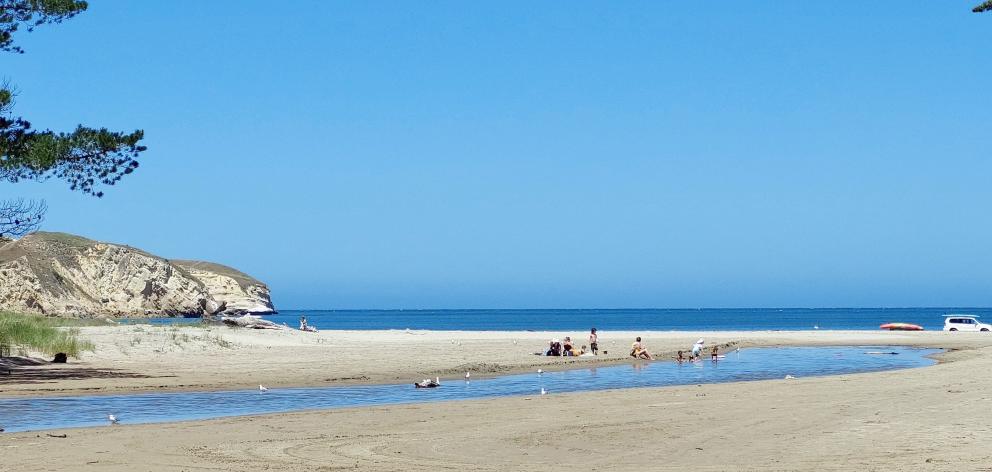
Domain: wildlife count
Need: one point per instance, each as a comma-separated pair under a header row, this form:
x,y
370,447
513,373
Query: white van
x,y
964,323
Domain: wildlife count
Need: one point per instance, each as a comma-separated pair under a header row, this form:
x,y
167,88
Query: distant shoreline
x,y
615,319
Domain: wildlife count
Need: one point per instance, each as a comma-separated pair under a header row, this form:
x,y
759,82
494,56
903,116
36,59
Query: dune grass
x,y
23,334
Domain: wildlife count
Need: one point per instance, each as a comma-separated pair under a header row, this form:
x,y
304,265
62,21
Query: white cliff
x,y
62,274
239,291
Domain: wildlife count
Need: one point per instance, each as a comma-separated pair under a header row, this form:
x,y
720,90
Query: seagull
x,y
543,391
113,419
467,375
789,377
540,371
262,389
437,380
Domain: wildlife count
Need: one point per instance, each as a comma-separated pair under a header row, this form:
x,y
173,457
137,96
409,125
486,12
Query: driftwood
x,y
249,321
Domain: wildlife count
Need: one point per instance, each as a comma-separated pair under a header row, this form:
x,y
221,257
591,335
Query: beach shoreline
x,y
143,359
899,420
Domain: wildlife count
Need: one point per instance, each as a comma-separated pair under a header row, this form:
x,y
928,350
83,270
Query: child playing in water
x,y
679,357
594,342
697,349
715,354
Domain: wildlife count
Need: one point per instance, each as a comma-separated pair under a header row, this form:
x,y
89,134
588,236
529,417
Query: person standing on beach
x,y
594,342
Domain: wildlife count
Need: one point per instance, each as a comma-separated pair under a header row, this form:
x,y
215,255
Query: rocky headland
x,y
60,274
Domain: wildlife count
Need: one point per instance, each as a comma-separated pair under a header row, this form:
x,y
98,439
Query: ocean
x,y
745,319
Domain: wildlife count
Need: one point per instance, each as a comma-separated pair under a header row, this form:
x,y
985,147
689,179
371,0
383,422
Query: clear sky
x,y
503,154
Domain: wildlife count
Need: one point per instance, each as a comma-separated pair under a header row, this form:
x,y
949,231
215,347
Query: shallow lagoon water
x,y
25,414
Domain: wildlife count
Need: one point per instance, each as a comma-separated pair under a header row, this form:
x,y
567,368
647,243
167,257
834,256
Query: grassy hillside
x,y
243,279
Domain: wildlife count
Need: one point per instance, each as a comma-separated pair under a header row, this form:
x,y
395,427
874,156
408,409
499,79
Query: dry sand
x,y
143,357
932,418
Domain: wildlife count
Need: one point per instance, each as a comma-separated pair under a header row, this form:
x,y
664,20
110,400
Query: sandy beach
x,y
931,418
156,358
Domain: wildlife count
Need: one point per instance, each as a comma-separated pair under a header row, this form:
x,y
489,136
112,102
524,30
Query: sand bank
x,y
156,358
932,418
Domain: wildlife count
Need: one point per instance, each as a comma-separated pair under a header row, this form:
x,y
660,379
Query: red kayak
x,y
901,327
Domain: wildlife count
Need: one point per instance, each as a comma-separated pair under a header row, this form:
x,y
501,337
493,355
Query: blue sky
x,y
550,154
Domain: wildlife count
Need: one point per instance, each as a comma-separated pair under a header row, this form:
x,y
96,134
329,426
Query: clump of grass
x,y
179,338
26,333
220,341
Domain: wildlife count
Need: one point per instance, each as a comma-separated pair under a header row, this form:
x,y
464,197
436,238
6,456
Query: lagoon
x,y
39,413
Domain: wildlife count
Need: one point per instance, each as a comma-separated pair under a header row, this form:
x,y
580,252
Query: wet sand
x,y
158,358
931,418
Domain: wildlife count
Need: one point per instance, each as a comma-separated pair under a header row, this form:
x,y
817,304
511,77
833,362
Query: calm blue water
x,y
24,414
747,319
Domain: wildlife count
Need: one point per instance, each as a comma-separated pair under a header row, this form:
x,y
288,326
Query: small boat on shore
x,y
901,327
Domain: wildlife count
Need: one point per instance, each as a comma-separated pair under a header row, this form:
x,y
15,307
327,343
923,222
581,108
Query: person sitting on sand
x,y
554,348
584,353
638,350
679,357
305,327
567,347
594,342
715,354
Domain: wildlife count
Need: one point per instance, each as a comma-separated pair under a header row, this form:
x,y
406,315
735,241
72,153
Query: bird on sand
x,y
540,371
262,389
468,375
113,419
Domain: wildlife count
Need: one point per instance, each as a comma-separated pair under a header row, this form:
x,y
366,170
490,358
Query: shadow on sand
x,y
29,370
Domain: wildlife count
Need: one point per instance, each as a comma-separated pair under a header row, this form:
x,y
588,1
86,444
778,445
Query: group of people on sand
x,y
697,353
567,347
639,351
